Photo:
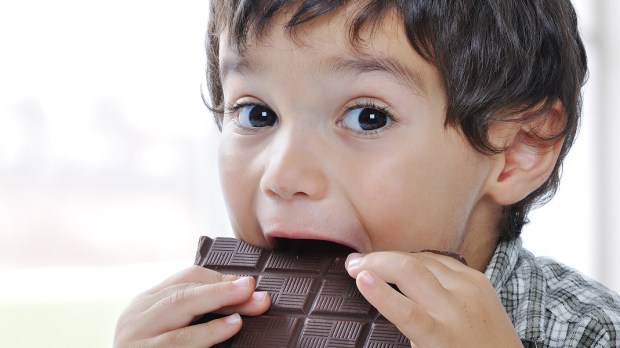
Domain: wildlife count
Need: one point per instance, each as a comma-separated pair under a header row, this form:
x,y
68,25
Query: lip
x,y
272,236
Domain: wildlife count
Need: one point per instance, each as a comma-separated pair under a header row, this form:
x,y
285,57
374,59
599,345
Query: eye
x,y
257,116
363,119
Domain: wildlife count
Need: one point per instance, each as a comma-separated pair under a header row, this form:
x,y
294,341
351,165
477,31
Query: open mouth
x,y
306,246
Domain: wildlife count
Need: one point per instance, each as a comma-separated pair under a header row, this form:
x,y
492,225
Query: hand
x,y
443,302
160,316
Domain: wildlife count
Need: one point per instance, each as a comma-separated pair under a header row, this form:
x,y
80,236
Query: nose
x,y
294,167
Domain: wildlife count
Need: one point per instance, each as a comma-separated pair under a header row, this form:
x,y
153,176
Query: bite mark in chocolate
x,y
315,302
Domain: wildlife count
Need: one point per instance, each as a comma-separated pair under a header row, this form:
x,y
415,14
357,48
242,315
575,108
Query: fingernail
x,y
259,296
242,282
366,277
353,261
233,319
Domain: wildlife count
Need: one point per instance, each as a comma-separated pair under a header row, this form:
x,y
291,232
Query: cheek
x,y
238,184
411,201
386,198
397,211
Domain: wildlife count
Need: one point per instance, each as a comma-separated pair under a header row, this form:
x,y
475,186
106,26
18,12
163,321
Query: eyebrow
x,y
384,65
357,65
237,64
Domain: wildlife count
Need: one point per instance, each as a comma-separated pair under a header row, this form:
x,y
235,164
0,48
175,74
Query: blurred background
x,y
108,172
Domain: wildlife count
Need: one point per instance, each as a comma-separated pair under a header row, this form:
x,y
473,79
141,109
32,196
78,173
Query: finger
x,y
203,335
401,311
149,298
193,274
408,271
258,304
189,277
447,261
452,274
180,308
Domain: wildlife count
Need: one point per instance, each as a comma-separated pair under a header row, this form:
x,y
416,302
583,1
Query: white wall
x,y
609,186
580,225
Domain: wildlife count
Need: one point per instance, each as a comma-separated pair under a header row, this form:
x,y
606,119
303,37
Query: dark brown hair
x,y
498,59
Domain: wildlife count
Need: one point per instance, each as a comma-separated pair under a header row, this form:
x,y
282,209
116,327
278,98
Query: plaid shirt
x,y
550,304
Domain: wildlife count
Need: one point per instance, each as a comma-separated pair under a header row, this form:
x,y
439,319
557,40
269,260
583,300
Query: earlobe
x,y
527,161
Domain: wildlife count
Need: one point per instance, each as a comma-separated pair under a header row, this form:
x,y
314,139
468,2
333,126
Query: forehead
x,y
382,48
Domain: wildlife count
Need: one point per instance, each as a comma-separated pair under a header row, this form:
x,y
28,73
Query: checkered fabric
x,y
550,304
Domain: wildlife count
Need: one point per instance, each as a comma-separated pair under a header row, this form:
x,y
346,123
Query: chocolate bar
x,y
315,303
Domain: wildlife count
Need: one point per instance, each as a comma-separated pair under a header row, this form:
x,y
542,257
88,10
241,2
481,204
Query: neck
x,y
482,235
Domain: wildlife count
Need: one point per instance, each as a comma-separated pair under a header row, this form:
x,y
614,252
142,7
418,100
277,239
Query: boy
x,y
394,127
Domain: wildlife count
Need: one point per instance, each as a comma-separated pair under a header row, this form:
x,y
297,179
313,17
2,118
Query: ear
x,y
528,159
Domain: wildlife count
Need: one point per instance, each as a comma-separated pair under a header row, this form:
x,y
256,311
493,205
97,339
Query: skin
x,y
306,170
408,186
160,316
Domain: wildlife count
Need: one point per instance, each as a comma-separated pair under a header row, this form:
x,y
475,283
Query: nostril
x,y
278,191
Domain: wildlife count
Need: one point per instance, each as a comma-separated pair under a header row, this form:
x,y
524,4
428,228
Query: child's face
x,y
330,144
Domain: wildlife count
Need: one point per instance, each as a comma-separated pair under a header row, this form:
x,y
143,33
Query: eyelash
x,y
370,104
232,109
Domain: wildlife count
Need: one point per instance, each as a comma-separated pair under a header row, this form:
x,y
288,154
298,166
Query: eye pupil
x,y
370,119
260,116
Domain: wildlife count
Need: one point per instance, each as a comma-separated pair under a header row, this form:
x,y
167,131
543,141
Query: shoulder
x,y
551,304
581,309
